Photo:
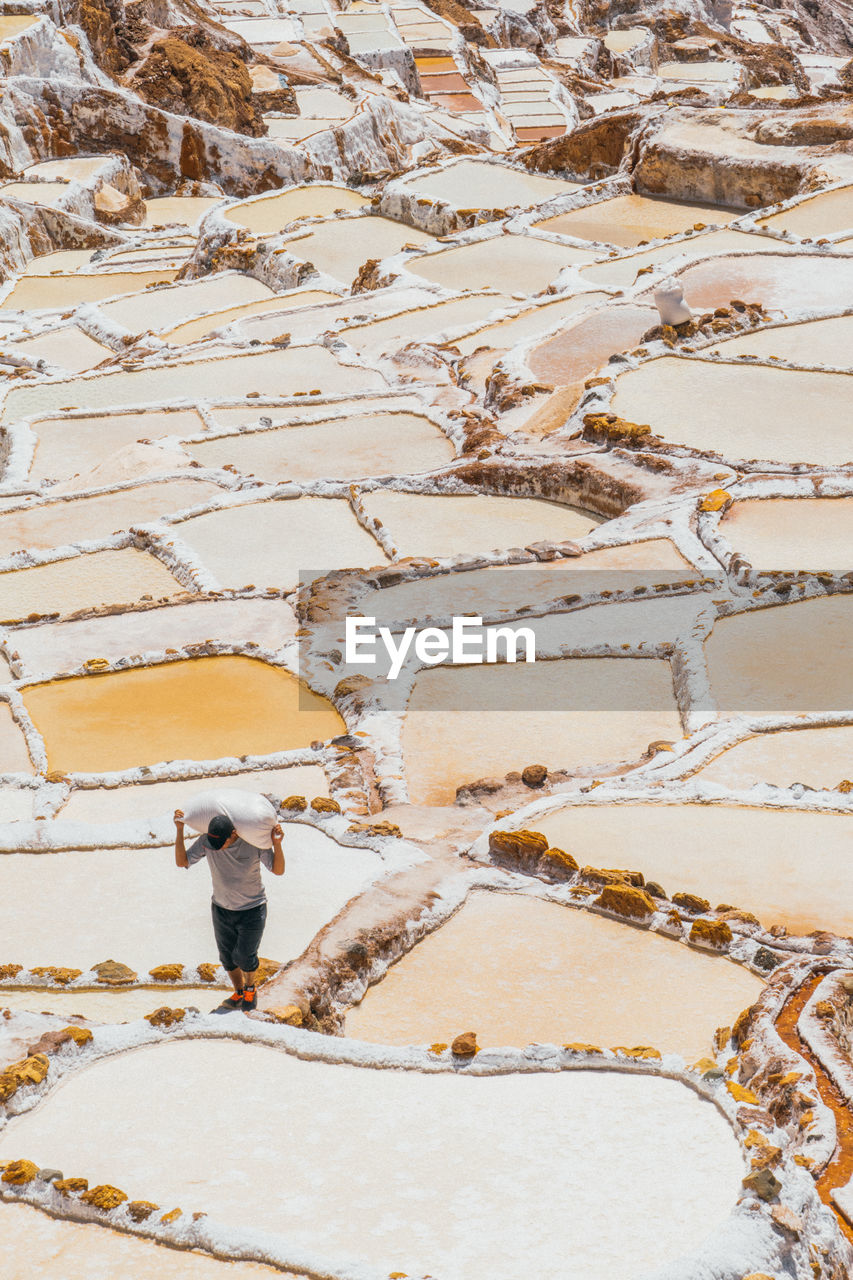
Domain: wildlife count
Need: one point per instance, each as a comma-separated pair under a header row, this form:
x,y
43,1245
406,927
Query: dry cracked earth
x,y
532,312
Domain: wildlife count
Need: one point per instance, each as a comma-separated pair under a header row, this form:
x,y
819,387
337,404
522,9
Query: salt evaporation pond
x,y
175,711
101,578
108,1006
815,757
779,281
480,1213
479,184
444,525
279,303
37,1245
792,533
630,220
166,307
268,214
826,214
357,445
748,858
522,971
509,587
34,293
67,348
622,271
528,713
815,342
267,373
409,326
784,659
81,520
155,802
365,237
183,211
536,319
271,544
742,411
583,346
66,446
150,912
14,757
65,646
527,264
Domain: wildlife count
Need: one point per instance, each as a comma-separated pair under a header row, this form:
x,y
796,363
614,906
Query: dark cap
x,y
218,831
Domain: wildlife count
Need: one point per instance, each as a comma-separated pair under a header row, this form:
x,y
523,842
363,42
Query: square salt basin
x,y
340,250
182,211
156,802
266,215
275,373
453,524
827,343
49,293
67,348
279,304
814,757
785,659
65,646
322,102
51,195
66,446
174,711
749,858
627,220
14,757
422,323
84,582
84,520
82,1251
792,533
137,907
75,168
829,213
450,1170
741,411
619,272
167,307
271,544
344,448
527,265
515,714
523,971
481,184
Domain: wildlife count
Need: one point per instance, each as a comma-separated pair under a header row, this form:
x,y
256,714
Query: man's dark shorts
x,y
238,936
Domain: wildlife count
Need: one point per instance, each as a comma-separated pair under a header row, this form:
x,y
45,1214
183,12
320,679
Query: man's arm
x,y
277,851
180,847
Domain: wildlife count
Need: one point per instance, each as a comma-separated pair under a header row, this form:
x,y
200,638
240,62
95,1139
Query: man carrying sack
x,y
239,903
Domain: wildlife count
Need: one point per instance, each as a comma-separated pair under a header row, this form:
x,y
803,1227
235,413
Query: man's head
x,y
220,832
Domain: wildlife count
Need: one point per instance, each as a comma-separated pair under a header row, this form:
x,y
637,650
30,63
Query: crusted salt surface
x,y
468,1222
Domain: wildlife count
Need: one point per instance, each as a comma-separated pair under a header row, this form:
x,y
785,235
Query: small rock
x,y
557,864
71,1186
19,1172
715,500
57,974
139,1210
741,1094
322,804
715,934
104,1197
289,1014
49,1175
690,902
518,846
165,1017
172,1215
625,900
31,1070
657,891
112,973
765,959
465,1046
295,804
167,972
534,775
206,972
764,1183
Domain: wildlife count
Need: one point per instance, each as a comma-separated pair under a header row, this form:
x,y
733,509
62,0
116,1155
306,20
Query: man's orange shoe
x,y
250,999
231,1004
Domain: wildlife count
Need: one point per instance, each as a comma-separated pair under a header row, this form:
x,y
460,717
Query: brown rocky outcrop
x,y
625,900
114,207
103,23
185,73
595,149
523,848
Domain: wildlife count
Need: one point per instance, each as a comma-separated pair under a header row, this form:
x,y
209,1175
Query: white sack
x,y
252,815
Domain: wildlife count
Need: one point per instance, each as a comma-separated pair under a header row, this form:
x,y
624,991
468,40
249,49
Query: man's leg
x,y
225,931
250,929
